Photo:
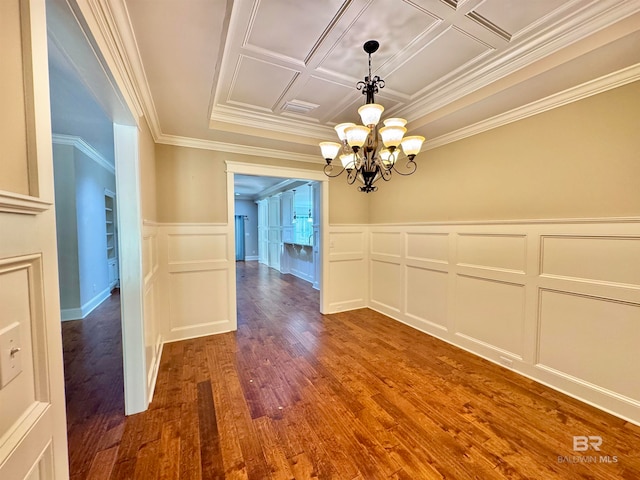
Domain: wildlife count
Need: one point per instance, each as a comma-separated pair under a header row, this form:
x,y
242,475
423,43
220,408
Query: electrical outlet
x,y
10,353
507,362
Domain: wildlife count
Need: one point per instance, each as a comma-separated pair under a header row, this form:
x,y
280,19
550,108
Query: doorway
x,y
239,168
96,122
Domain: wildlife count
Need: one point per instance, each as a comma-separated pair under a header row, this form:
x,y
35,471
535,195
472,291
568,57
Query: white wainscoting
x,y
557,301
196,268
25,400
347,268
153,338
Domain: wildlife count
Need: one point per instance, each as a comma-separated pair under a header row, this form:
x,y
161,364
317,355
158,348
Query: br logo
x,y
582,443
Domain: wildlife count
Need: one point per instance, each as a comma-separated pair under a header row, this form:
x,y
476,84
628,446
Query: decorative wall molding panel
x,y
556,301
348,269
25,399
195,280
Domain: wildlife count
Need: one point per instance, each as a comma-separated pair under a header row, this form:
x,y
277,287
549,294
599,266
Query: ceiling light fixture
x,y
369,153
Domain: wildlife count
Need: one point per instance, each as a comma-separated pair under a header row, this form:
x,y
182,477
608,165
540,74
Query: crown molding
x,y
112,18
239,149
597,16
106,28
84,147
131,53
588,89
267,122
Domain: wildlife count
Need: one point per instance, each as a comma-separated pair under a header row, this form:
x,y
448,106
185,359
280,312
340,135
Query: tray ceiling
x,y
277,75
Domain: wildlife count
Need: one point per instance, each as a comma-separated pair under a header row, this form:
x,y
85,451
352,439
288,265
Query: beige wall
x,y
13,136
191,186
346,204
146,147
577,161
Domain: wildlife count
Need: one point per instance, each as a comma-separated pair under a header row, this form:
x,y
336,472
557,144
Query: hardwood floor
x,y
94,388
356,395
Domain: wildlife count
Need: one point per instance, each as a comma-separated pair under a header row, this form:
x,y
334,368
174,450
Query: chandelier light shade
x,y
370,113
357,135
368,153
330,149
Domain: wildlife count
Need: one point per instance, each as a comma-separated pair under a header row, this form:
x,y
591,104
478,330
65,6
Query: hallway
x,y
356,395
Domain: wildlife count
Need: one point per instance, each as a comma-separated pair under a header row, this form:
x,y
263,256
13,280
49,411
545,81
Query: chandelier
x,y
368,153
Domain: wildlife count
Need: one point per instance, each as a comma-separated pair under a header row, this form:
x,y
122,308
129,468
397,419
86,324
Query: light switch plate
x,y
10,353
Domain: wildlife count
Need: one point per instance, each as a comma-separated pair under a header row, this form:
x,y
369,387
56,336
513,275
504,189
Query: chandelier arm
x,y
411,166
329,168
385,174
352,175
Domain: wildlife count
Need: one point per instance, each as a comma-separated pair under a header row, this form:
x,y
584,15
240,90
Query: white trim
x,y
574,94
531,221
84,147
119,21
251,258
239,149
155,368
599,15
88,307
102,12
275,171
178,224
291,126
11,202
131,274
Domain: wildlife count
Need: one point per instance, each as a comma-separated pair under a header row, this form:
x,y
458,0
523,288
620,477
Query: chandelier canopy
x,y
366,152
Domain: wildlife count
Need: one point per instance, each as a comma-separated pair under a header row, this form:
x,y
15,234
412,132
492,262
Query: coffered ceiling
x,y
272,77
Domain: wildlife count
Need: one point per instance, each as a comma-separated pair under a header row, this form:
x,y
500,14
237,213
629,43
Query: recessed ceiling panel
x,y
449,51
514,16
290,27
394,24
259,84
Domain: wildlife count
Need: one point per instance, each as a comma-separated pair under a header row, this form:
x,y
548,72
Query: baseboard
x,y
196,331
153,374
253,258
68,314
347,305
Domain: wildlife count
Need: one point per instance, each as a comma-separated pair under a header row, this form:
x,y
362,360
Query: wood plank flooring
x,y
356,395
92,350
